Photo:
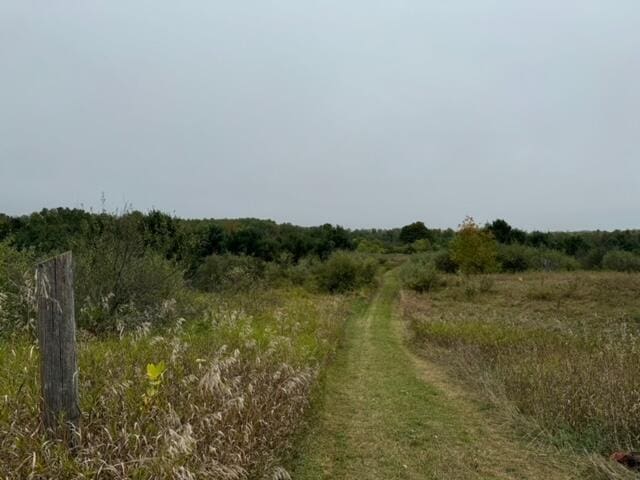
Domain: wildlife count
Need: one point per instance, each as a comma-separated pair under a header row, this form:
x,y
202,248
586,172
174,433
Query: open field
x,y
251,350
528,376
388,414
560,351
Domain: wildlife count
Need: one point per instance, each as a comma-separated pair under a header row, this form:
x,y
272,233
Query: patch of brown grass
x,y
563,349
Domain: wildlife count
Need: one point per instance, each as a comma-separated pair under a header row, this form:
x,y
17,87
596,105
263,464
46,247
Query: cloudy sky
x,y
357,112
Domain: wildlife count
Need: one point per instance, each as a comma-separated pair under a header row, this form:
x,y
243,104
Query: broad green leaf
x,y
155,371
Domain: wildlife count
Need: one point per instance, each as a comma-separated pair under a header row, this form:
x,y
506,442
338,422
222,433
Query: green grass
x,y
383,417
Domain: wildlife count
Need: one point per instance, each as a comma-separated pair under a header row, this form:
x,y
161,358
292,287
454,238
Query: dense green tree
x,y
501,230
213,241
414,231
162,234
574,245
538,239
518,236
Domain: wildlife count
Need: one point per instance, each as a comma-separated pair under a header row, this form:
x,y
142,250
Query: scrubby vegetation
x,y
621,261
419,273
198,352
561,348
189,242
344,271
17,287
233,388
519,258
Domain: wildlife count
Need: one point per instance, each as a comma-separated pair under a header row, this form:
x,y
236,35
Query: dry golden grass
x,y
561,350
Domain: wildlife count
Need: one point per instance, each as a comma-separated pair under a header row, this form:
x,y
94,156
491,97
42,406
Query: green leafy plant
x,y
155,372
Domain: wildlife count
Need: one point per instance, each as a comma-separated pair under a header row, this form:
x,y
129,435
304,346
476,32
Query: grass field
x,y
530,376
559,350
389,414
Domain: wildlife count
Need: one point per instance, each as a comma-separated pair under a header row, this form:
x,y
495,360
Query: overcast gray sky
x,y
362,113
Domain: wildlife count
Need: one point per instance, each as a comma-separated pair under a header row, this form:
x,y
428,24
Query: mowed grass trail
x,y
387,414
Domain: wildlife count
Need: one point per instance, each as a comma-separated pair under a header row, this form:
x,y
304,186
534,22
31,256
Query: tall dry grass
x,y
235,390
562,349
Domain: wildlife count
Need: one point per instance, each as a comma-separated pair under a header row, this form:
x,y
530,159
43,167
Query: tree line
x,y
133,266
190,241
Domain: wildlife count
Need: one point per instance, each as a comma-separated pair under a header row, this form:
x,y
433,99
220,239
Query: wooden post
x,y
57,339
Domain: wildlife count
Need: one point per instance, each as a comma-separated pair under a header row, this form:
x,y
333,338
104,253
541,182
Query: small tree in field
x,y
474,250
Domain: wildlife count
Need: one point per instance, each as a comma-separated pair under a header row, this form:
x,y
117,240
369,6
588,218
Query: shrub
x,y
420,274
592,259
303,272
473,285
443,262
518,258
370,246
117,275
514,258
552,260
228,273
16,289
621,261
474,250
346,271
421,245
286,272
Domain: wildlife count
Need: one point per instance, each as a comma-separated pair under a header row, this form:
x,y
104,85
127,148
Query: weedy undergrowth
x,y
220,397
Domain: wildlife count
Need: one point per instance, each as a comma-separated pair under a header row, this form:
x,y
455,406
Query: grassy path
x,y
390,415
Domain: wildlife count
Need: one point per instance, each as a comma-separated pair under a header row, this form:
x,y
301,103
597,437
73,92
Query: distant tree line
x,y
190,241
589,248
187,241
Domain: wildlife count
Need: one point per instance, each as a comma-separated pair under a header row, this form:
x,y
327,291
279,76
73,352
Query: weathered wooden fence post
x,y
57,339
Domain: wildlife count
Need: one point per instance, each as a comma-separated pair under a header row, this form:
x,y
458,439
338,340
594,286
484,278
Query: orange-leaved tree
x,y
473,249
